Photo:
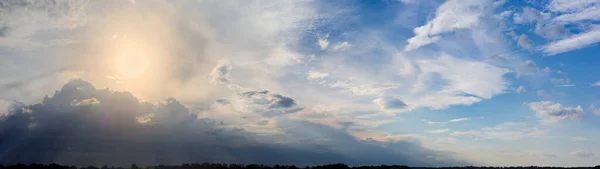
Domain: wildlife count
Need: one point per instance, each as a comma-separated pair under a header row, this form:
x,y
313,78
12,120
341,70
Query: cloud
x,y
529,15
438,131
447,140
570,6
580,139
521,89
561,82
220,74
323,42
597,83
551,31
314,75
465,133
445,122
526,68
389,103
574,42
461,76
525,42
118,129
550,112
449,16
20,20
342,46
595,110
543,93
590,13
272,101
509,131
582,153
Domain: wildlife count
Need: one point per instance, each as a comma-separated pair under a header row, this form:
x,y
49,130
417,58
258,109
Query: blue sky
x,y
462,82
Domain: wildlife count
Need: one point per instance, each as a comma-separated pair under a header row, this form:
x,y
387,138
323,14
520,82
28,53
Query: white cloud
x,y
444,122
596,83
221,72
363,89
574,42
570,5
452,15
580,139
465,76
508,131
590,13
511,131
342,46
465,133
409,1
550,112
323,42
582,153
529,15
438,131
595,110
561,82
521,89
314,75
447,140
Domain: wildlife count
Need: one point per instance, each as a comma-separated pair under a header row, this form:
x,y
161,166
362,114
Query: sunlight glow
x,y
131,61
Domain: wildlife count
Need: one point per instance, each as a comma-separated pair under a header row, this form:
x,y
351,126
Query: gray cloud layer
x,y
83,125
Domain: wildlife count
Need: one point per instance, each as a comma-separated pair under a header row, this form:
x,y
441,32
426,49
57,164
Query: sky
x,y
412,82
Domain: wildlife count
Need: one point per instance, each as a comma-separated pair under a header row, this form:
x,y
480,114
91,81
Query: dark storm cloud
x,y
275,104
83,125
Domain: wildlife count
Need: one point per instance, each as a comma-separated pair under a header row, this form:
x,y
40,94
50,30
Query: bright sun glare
x,y
131,61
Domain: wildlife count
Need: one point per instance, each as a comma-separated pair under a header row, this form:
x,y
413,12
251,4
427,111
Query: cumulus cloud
x,y
551,112
115,128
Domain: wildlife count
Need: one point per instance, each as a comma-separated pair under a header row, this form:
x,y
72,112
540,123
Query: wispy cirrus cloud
x,y
446,122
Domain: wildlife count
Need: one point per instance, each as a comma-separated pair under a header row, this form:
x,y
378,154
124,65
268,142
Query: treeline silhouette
x,y
258,166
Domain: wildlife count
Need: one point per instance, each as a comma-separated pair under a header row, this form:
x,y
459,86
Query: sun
x,y
131,61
